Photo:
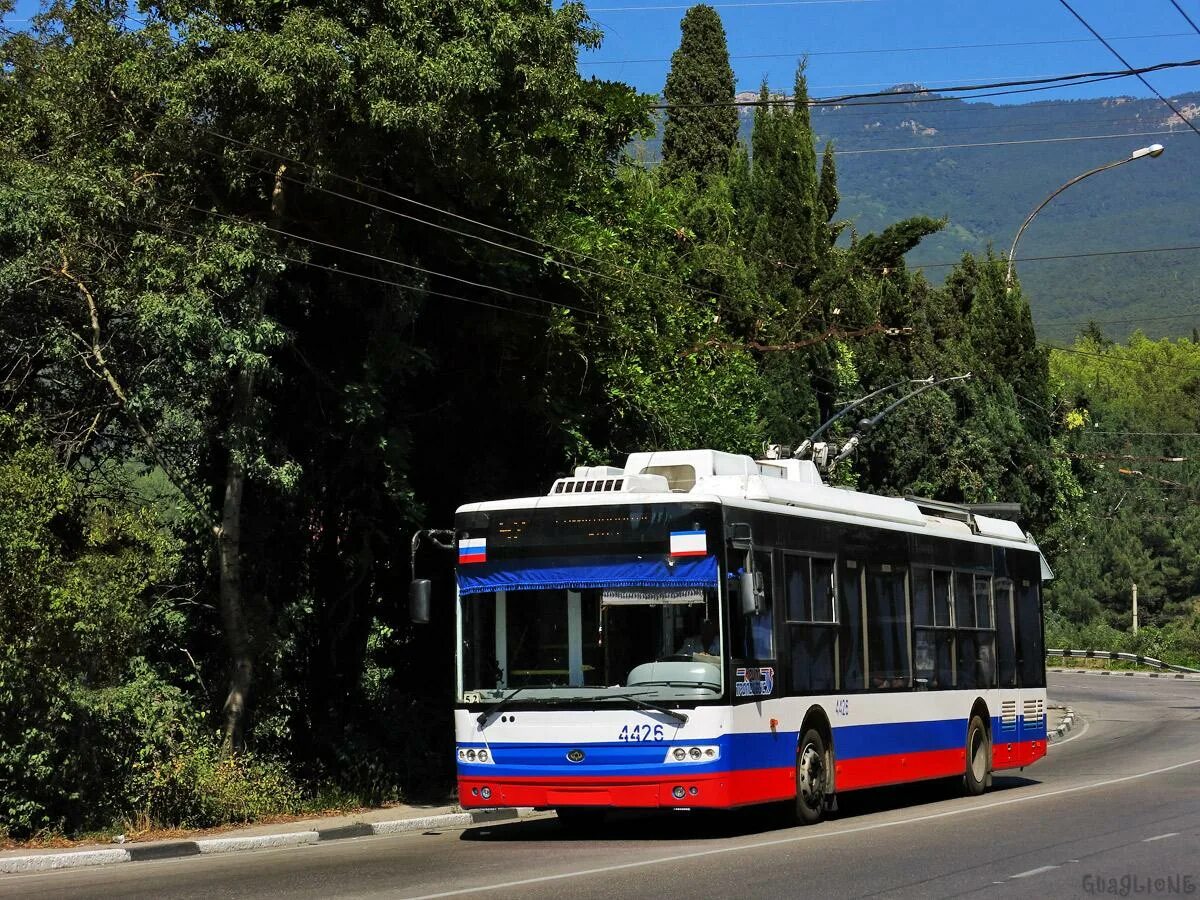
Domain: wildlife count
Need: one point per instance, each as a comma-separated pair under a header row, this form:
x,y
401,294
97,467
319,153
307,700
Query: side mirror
x,y
750,586
419,592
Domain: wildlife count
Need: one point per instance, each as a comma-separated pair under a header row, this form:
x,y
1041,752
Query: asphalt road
x,y
1113,811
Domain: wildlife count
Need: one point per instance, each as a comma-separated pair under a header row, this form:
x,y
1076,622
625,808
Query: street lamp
x,y
1152,151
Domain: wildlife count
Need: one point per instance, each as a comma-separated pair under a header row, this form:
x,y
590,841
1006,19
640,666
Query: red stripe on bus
x,y
731,788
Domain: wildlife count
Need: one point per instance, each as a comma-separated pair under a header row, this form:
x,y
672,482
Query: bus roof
x,y
789,486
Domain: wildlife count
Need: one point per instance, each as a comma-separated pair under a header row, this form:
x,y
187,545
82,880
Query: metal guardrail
x,y
1127,657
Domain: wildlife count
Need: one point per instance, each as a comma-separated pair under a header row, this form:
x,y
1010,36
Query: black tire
x,y
812,778
581,819
979,758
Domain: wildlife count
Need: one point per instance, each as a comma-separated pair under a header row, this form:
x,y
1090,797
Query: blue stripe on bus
x,y
756,750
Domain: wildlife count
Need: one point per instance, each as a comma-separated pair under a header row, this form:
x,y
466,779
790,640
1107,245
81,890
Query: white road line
x,y
1082,732
1037,871
804,837
1159,837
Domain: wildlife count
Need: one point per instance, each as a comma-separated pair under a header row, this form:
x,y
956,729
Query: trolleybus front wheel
x,y
979,752
812,778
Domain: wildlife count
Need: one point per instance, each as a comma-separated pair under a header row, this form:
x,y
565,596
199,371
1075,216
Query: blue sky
x,y
767,37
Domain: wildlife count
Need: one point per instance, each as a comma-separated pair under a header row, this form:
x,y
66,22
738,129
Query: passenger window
x,y
887,627
850,631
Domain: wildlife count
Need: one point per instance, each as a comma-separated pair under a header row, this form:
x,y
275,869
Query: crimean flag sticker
x,y
472,550
689,543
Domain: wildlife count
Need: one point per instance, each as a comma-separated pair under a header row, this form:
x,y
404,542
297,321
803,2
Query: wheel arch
x,y
980,708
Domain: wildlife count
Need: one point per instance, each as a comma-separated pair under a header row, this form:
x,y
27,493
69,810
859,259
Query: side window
x,y
850,627
887,627
1006,644
976,664
933,640
812,634
1031,656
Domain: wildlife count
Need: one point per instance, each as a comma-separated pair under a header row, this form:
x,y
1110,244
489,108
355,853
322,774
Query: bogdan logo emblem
x,y
754,682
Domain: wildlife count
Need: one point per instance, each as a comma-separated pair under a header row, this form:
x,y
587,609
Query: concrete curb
x,y
176,849
1065,724
1178,676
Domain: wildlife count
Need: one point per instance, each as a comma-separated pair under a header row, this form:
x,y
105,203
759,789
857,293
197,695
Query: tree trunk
x,y
229,537
229,553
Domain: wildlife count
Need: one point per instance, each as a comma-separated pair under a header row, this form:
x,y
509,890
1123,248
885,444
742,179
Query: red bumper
x,y
720,790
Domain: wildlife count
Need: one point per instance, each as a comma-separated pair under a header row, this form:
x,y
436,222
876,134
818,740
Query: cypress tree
x,y
698,139
827,189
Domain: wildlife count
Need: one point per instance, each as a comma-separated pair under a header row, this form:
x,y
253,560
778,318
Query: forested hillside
x,y
280,285
889,165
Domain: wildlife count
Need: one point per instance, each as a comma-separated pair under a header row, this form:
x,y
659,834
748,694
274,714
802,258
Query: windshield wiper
x,y
675,714
496,707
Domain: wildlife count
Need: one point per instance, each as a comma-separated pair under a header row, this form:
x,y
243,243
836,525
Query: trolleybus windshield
x,y
585,605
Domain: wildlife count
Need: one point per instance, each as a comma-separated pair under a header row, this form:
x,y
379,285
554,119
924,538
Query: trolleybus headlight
x,y
483,756
485,793
462,755
470,756
693,790
678,792
710,752
680,754
694,753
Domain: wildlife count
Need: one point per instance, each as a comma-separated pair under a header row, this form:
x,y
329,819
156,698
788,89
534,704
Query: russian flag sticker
x,y
472,550
689,543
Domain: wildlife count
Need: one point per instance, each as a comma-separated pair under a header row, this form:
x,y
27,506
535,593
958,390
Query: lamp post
x,y
1152,151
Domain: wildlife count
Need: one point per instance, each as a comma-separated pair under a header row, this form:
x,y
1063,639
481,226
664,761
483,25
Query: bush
x,y
198,788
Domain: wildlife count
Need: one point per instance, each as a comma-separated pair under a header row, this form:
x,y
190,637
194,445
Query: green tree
x,y
697,138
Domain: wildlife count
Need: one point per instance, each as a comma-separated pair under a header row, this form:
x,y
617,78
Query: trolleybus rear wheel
x,y
812,778
979,752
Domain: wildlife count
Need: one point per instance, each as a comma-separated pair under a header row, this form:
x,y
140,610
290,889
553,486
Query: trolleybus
x,y
705,630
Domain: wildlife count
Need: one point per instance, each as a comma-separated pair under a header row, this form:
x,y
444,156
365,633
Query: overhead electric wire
x,y
1121,322
880,50
1195,27
1141,364
1067,80
384,259
1082,255
1139,74
625,279
977,144
371,256
749,5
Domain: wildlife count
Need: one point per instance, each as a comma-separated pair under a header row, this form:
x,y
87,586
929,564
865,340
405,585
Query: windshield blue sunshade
x,y
581,574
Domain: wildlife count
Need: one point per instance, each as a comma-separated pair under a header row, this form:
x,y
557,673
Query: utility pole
x,y
1135,607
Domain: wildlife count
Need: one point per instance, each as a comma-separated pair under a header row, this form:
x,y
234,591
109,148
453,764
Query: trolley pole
x,y
1135,608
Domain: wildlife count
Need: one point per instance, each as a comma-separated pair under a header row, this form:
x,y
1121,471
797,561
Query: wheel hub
x,y
812,777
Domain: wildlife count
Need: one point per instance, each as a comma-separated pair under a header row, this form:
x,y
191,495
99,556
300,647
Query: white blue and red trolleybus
x,y
700,629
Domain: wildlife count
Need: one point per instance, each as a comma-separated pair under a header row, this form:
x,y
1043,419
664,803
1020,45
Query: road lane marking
x,y
1038,871
1159,837
795,839
1082,732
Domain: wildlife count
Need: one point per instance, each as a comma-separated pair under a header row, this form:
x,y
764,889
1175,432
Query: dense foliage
x,y
279,285
1131,434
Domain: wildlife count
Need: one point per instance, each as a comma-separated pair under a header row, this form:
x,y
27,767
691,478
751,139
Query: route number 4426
x,y
643,732
842,707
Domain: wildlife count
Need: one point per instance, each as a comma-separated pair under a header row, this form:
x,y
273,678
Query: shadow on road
x,y
674,825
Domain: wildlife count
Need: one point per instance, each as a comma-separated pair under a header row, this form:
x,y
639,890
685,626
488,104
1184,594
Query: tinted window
x,y
1006,645
812,658
796,582
964,600
887,627
1031,656
850,639
941,598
